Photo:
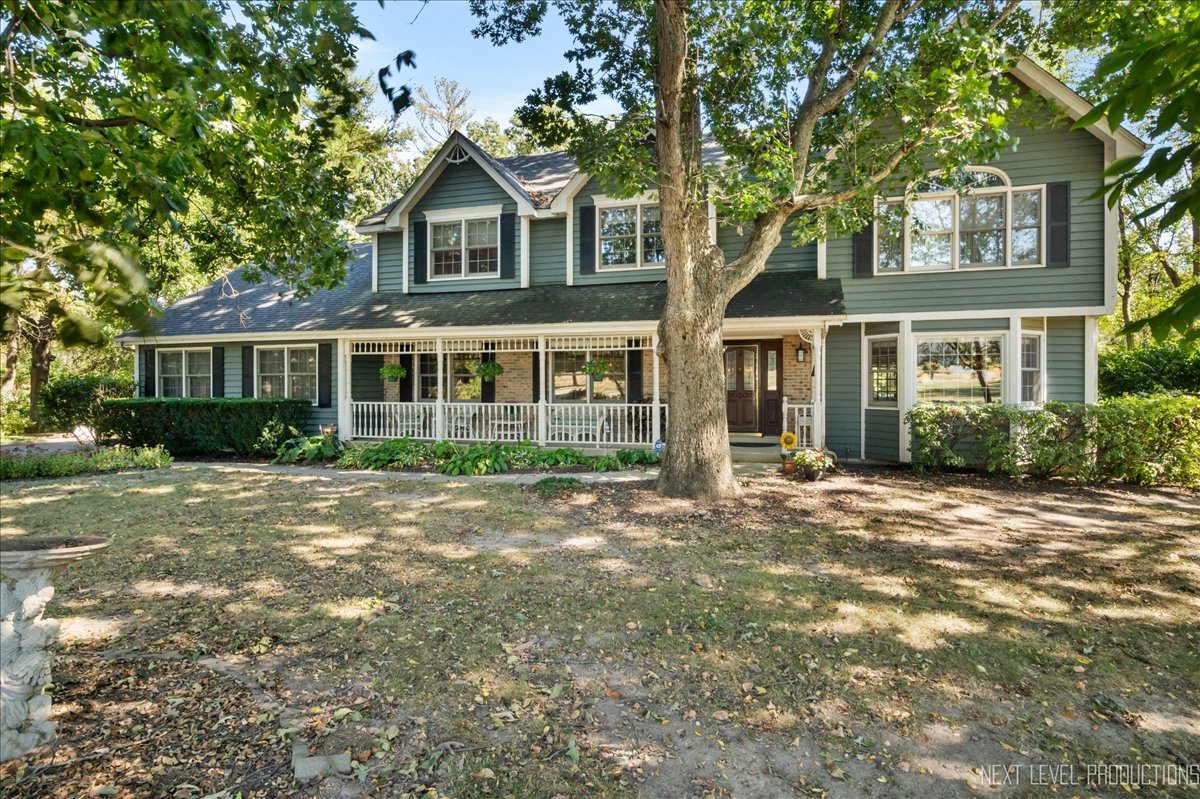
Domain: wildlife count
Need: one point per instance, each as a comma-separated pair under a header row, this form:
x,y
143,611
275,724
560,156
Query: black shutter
x,y
508,246
406,382
863,256
487,388
324,375
633,375
149,383
587,240
536,371
247,371
419,251
1058,224
218,371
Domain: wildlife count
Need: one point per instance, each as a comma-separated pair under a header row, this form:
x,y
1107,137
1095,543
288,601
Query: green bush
x,y
68,402
203,426
68,464
550,487
14,418
1150,369
490,458
1153,439
398,453
308,448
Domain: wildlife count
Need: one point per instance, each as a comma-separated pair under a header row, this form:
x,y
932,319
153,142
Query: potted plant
x,y
813,462
489,371
596,369
393,372
787,443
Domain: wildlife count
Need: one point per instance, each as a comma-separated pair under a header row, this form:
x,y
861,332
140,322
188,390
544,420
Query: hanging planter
x,y
393,372
489,371
597,369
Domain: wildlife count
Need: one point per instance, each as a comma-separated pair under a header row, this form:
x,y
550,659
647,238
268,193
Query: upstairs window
x,y
464,248
966,220
630,236
185,373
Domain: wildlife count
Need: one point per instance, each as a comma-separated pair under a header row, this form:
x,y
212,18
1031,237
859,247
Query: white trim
x,y
463,214
906,386
1043,372
183,364
287,367
571,245
822,259
868,401
524,252
1091,383
1112,245
978,313
862,391
374,262
562,202
603,202
712,222
404,257
344,417
452,217
1010,362
137,371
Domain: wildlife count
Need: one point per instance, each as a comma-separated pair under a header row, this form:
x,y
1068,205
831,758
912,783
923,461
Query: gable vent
x,y
457,155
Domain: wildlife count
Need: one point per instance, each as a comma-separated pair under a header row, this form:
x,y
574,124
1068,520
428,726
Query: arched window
x,y
973,218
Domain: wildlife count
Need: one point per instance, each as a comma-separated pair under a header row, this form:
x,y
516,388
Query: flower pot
x,y
812,475
789,466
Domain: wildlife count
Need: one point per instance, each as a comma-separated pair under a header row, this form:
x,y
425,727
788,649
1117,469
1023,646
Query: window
x,y
959,369
465,385
630,237
185,373
465,248
572,384
287,372
1031,368
964,220
884,371
427,377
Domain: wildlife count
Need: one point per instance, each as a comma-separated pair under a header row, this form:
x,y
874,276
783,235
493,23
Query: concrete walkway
x,y
42,445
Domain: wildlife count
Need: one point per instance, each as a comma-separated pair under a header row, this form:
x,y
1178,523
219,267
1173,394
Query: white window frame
x,y
184,375
417,373
938,335
604,202
461,216
287,368
587,356
1008,190
1040,399
871,402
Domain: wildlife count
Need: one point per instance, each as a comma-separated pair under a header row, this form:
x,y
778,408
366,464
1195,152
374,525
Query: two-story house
x,y
988,294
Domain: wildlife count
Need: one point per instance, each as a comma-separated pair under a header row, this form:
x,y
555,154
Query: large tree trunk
x,y
12,354
40,335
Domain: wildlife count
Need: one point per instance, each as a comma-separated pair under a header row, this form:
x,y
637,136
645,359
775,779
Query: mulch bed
x,y
149,727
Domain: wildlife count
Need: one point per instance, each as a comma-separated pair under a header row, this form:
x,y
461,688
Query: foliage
x,y
400,453
14,418
198,122
597,369
194,426
477,459
550,487
487,371
67,464
307,449
1136,439
68,402
393,371
487,458
816,459
1150,369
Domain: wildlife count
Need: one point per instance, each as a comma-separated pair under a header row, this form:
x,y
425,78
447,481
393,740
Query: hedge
x,y
203,426
1150,369
68,402
1136,439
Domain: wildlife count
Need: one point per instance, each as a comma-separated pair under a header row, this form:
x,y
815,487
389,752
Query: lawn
x,y
875,634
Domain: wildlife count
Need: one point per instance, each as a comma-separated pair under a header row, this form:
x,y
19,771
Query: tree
x,y
818,106
448,109
196,124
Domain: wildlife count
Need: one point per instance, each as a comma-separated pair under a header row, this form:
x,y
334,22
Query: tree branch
x,y
111,122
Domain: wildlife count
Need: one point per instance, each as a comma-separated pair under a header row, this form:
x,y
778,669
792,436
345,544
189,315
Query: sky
x,y
439,32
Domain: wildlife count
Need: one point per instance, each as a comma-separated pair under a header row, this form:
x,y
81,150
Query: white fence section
x,y
801,425
598,424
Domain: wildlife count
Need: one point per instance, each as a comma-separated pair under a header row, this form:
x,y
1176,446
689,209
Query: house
x,y
524,262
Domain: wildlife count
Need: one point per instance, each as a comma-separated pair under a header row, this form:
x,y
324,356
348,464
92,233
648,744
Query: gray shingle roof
x,y
231,306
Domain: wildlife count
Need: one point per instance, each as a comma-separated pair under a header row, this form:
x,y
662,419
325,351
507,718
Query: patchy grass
x,y
868,635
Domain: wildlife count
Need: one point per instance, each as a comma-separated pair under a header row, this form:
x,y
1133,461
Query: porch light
x,y
800,354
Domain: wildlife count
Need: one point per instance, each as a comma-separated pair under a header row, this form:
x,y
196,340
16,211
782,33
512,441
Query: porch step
x,y
744,453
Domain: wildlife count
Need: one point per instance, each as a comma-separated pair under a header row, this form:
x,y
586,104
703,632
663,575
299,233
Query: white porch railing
x,y
799,420
607,424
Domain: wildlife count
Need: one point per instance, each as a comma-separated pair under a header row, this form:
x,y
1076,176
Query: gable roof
x,y
232,308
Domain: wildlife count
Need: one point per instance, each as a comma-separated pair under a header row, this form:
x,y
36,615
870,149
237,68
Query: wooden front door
x,y
741,387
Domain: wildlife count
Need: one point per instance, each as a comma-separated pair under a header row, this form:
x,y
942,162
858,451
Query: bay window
x,y
571,383
966,220
630,236
185,373
1031,368
959,369
286,372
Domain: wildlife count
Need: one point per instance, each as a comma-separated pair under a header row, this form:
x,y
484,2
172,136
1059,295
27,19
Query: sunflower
x,y
788,440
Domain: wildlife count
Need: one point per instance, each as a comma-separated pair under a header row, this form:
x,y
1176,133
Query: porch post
x,y
818,389
906,384
345,366
656,422
440,406
542,415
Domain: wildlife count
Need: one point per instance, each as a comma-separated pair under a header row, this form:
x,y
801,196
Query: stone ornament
x,y
27,566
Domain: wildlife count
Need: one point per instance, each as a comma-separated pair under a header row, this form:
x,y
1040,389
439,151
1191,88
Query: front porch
x,y
596,391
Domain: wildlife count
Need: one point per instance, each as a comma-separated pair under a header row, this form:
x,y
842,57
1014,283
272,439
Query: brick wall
x,y
516,384
797,377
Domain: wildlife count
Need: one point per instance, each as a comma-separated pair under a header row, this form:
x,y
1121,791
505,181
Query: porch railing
x,y
607,424
799,420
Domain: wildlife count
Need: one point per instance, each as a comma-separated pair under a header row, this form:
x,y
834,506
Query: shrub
x,y
549,487
477,459
14,418
203,426
400,453
1153,439
308,448
70,402
68,464
490,458
1150,369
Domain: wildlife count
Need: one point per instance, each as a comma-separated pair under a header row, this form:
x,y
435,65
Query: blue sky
x,y
499,78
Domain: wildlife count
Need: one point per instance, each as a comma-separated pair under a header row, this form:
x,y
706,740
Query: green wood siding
x,y
584,197
462,186
1049,154
960,325
843,390
1065,359
233,375
548,252
365,382
784,258
883,434
391,262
